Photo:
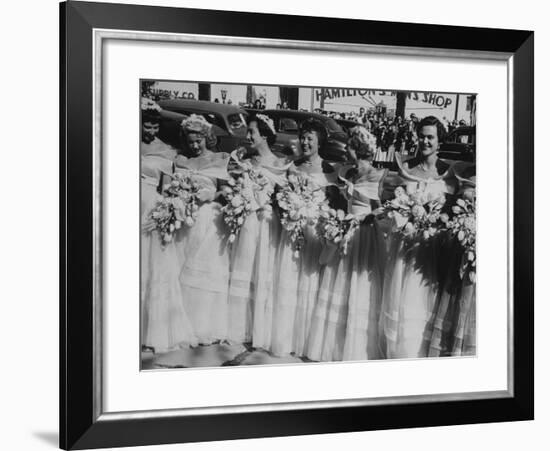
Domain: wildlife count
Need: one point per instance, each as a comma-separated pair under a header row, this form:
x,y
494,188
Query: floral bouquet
x,y
240,202
463,227
263,192
176,206
334,226
300,203
417,215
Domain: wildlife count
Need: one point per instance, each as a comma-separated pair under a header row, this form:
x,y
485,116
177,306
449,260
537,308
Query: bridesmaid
x,y
297,277
345,319
453,322
202,247
164,323
411,285
253,253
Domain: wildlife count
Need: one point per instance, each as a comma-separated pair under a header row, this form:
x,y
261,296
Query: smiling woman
x,y
164,321
253,253
412,281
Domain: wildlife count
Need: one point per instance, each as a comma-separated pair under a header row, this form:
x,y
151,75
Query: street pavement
x,y
215,355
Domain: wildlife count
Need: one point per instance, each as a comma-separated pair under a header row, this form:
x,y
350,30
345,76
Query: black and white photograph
x,y
269,227
305,224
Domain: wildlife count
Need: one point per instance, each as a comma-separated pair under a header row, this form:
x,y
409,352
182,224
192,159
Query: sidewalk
x,y
214,355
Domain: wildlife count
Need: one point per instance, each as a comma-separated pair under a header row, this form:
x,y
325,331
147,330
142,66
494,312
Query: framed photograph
x,y
284,225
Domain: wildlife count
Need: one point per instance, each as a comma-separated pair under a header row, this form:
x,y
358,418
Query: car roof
x,y
348,122
295,113
200,106
464,128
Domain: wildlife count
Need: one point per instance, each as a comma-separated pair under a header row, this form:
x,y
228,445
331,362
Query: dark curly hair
x,y
432,120
264,129
314,125
152,116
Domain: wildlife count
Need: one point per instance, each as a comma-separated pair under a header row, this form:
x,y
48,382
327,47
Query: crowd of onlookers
x,y
399,132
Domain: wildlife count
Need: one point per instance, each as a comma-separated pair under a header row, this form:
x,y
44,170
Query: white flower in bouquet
x,y
334,226
400,220
239,195
163,218
416,213
237,200
409,228
176,205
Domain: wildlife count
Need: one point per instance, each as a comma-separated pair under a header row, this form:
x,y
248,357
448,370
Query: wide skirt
x,y
453,323
346,315
251,291
164,321
204,274
410,295
297,276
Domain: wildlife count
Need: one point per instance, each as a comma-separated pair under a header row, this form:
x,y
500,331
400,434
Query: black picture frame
x,y
81,426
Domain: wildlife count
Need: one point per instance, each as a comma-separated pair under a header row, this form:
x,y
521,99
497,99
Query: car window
x,y
236,121
464,138
288,125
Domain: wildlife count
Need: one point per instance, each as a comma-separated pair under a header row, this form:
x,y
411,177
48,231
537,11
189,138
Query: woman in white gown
x,y
413,274
202,248
345,319
453,323
253,252
164,322
297,276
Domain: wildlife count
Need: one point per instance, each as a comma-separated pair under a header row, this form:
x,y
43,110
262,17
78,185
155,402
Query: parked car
x,y
228,121
460,144
287,125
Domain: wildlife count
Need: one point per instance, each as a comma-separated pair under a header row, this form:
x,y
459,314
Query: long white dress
x,y
164,321
346,316
453,323
297,277
253,255
203,252
411,282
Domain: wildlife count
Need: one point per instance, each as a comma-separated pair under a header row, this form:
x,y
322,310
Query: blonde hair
x,y
198,124
362,142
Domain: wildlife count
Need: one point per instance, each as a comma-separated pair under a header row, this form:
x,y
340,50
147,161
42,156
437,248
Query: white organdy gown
x,y
253,258
346,316
297,279
453,324
164,321
203,252
411,281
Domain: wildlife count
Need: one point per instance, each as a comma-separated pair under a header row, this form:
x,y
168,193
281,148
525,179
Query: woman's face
x,y
310,144
196,143
255,140
149,130
428,140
